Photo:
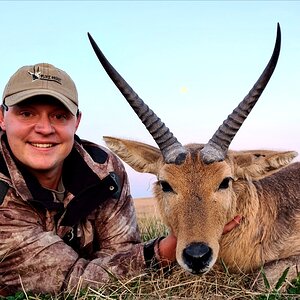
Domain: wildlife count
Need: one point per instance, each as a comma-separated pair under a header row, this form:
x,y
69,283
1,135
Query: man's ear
x,y
2,123
78,118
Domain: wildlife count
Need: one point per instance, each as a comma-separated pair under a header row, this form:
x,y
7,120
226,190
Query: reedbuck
x,y
200,187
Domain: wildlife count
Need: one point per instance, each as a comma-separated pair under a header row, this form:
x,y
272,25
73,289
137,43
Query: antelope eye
x,y
225,183
165,187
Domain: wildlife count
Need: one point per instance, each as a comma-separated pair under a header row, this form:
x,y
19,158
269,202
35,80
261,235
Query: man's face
x,y
40,133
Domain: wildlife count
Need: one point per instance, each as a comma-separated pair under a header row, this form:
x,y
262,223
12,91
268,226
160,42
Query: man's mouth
x,y
37,145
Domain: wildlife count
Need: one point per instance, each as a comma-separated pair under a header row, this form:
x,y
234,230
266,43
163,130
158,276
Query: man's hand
x,y
232,224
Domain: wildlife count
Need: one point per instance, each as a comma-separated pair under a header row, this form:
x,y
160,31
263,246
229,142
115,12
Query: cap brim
x,y
21,96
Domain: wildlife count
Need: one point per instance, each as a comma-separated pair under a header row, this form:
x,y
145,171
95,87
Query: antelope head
x,y
195,183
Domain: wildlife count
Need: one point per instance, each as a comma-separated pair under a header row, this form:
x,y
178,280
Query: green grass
x,y
177,284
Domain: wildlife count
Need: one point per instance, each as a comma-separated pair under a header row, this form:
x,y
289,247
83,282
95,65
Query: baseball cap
x,y
41,79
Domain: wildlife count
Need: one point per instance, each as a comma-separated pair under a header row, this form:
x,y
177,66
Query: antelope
x,y
201,187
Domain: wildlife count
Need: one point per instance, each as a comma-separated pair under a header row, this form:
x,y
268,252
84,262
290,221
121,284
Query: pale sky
x,y
192,62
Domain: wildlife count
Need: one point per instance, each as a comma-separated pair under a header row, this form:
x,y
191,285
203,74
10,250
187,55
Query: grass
x,y
177,284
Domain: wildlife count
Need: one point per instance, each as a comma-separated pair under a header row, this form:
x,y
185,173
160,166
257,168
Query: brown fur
x,y
265,190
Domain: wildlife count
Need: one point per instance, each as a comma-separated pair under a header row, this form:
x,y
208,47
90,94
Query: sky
x,y
192,62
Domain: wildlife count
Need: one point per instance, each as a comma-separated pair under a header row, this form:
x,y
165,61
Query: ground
x,y
146,207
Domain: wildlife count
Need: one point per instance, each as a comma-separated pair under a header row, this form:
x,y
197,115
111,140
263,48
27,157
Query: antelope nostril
x,y
197,250
197,257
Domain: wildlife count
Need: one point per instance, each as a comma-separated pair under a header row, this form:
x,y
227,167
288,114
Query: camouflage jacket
x,y
48,245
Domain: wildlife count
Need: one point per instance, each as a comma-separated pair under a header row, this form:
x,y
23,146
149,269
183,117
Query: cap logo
x,y
37,75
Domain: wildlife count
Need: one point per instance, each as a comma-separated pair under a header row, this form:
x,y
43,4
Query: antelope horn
x,y
171,149
216,148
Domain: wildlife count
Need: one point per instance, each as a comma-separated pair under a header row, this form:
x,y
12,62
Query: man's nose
x,y
44,125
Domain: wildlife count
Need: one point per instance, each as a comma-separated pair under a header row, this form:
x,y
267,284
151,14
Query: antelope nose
x,y
197,257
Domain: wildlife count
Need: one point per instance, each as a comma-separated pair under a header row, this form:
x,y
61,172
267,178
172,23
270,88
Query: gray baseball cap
x,y
41,79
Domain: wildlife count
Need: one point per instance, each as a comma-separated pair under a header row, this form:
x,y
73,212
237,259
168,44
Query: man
x,y
66,212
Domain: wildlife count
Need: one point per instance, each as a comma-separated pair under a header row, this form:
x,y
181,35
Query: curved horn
x,y
171,149
216,148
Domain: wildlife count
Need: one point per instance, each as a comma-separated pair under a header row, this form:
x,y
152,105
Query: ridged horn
x,y
217,147
171,149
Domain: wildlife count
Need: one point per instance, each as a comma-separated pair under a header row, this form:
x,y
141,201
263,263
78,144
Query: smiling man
x,y
66,213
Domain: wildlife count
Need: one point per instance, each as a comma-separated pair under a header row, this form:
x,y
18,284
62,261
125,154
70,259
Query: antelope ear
x,y
256,164
141,157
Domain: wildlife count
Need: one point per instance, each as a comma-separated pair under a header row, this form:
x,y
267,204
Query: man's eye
x,y
60,116
26,114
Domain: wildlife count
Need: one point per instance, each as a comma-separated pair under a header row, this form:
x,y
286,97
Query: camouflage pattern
x,y
33,254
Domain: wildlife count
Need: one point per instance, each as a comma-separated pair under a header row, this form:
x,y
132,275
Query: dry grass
x,y
177,285
146,208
